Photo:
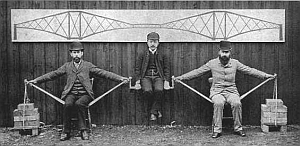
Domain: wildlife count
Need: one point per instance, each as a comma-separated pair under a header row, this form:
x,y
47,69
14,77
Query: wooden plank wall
x,y
21,61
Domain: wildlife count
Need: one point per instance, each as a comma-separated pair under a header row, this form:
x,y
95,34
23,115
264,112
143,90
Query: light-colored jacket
x,y
223,76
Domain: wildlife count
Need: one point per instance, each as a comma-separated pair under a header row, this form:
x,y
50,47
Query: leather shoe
x,y
84,135
240,133
216,135
65,136
153,117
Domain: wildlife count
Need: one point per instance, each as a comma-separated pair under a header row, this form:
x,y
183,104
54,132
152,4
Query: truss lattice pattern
x,y
213,25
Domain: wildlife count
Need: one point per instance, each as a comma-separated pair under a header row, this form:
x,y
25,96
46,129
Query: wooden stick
x,y
98,98
247,93
194,90
54,97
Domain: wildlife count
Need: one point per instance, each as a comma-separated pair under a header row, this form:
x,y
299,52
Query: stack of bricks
x,y
273,113
26,117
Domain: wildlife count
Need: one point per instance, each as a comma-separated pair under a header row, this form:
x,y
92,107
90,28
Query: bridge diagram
x,y
214,25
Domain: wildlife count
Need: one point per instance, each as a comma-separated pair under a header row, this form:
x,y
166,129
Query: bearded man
x,y
223,89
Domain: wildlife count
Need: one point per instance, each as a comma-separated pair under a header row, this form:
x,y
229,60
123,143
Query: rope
x,y
275,97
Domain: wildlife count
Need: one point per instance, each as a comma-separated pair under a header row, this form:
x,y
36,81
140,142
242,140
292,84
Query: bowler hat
x,y
153,36
225,45
76,46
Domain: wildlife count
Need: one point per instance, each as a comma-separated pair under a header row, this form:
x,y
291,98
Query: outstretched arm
x,y
106,74
194,73
253,72
50,76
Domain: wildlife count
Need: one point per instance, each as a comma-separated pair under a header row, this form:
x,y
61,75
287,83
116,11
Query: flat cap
x,y
153,36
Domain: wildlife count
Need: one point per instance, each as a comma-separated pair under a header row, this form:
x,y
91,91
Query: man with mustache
x,y
223,87
152,73
78,91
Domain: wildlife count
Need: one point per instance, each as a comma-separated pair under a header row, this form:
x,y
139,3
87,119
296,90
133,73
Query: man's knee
x,y
218,100
236,103
235,100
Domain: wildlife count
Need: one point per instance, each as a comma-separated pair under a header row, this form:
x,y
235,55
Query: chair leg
x,y
90,120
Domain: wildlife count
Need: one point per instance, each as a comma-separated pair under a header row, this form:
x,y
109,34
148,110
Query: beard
x,y
76,59
224,59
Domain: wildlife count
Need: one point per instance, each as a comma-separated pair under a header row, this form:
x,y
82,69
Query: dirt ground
x,y
136,135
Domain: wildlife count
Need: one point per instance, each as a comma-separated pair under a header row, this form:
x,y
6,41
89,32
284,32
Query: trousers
x,y
79,103
152,87
234,100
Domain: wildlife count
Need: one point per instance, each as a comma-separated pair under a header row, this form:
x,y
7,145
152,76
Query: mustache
x,y
76,59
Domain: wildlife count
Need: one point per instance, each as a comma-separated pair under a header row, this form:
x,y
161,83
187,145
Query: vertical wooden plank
x,y
256,59
165,101
51,64
128,99
179,93
62,57
205,107
4,65
293,80
141,102
193,100
116,94
108,99
39,69
26,68
13,70
100,85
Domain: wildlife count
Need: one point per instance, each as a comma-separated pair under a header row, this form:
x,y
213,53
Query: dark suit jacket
x,y
83,73
162,61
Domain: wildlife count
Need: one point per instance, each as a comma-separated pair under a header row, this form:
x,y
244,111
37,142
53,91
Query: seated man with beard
x,y
223,87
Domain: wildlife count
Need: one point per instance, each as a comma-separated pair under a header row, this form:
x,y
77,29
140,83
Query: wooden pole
x,y
98,98
194,90
247,93
54,97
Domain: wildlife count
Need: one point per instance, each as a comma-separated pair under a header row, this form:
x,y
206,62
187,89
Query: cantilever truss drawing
x,y
213,25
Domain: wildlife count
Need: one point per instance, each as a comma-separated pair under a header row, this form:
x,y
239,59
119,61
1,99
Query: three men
x,y
152,73
78,90
223,87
